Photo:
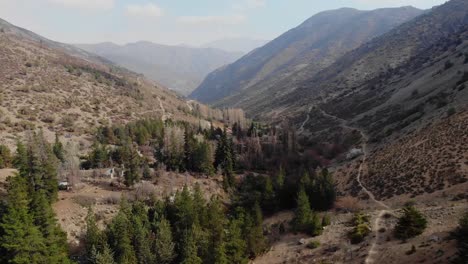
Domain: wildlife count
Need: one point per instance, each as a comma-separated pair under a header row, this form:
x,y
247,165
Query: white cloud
x,y
85,4
144,10
226,20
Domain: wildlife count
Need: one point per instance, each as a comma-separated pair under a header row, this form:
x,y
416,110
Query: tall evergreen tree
x,y
256,243
55,239
120,239
303,212
20,161
5,157
189,251
132,172
58,149
21,241
94,237
224,159
235,244
103,257
164,245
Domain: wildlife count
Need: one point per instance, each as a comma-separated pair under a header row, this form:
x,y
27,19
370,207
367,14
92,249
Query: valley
x,y
342,140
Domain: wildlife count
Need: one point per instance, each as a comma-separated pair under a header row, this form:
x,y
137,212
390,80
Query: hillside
x,y
62,89
179,68
405,91
312,46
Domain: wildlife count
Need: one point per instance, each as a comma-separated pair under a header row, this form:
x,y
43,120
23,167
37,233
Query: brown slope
x,y
310,47
42,86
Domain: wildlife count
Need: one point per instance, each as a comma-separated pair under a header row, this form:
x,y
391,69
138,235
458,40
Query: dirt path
x,y
376,223
301,128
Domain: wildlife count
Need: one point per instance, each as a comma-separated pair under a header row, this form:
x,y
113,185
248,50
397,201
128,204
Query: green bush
x,y
411,224
313,244
5,157
361,223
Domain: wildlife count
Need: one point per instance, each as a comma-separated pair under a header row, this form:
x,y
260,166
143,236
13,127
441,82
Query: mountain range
x,y
304,50
179,68
399,87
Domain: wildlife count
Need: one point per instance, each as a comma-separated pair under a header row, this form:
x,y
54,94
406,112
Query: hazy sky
x,y
190,22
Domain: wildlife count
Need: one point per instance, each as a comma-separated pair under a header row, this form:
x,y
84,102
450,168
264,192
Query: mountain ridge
x,y
318,41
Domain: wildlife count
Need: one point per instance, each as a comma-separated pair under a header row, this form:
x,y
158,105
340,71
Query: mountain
x,y
62,89
313,45
180,68
244,45
402,95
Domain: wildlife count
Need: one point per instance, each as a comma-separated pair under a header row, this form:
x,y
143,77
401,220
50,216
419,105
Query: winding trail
x,y
384,209
301,129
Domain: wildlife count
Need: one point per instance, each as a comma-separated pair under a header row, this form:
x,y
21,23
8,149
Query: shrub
x,y
451,111
313,244
5,157
361,228
411,224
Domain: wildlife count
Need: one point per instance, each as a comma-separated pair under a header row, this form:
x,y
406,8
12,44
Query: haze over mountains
x,y
308,48
179,68
244,45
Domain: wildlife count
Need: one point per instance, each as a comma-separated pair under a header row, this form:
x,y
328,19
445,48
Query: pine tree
x,y
189,250
269,196
58,149
93,237
5,157
20,160
164,245
279,180
256,243
411,224
303,212
39,166
215,227
235,245
21,241
224,158
104,257
120,241
220,254
141,240
132,169
55,239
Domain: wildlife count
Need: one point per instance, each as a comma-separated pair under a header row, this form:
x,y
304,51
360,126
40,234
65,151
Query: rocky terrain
x,y
45,87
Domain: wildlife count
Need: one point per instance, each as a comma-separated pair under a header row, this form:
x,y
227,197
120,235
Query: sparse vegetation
x,y
411,224
313,244
361,229
5,157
